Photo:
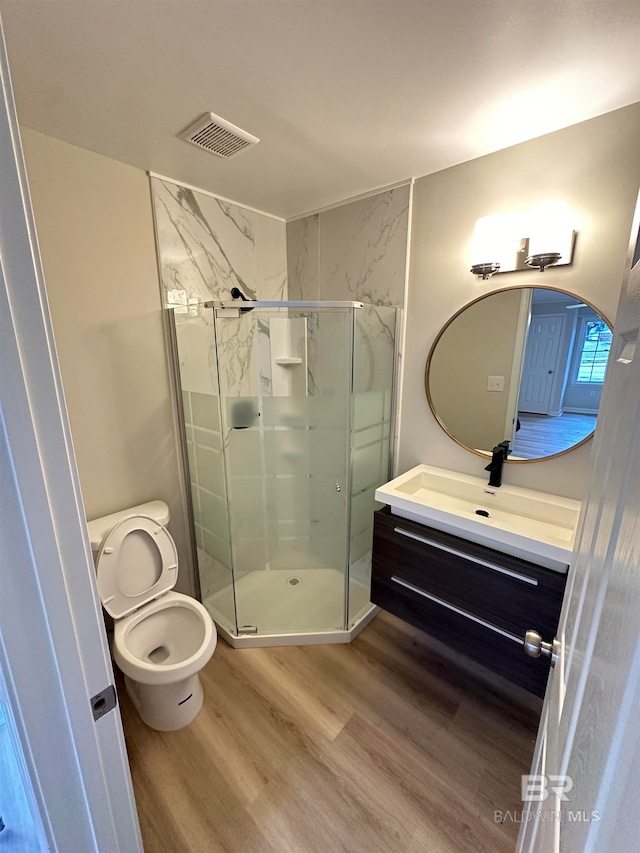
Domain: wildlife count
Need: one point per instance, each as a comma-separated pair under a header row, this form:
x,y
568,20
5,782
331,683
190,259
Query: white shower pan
x,y
276,601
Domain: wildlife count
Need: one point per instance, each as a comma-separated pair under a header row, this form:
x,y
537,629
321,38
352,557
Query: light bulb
x,y
550,225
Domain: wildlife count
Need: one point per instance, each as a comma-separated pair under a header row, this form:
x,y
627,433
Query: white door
x,y
588,747
540,362
62,749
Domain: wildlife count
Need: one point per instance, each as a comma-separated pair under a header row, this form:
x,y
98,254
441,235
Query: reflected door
x,y
540,363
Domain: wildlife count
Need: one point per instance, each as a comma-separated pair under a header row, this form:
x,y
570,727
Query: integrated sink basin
x,y
532,525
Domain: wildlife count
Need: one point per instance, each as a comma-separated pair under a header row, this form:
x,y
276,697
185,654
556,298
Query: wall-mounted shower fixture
x,y
236,293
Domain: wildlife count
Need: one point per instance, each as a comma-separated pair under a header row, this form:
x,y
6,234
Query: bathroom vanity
x,y
474,567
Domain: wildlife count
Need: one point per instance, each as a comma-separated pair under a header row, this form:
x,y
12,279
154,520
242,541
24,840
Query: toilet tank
x,y
99,527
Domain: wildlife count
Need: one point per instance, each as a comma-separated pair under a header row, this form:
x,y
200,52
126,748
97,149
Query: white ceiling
x,y
345,96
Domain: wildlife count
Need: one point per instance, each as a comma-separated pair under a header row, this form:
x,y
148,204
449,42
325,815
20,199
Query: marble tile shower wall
x,y
356,251
206,246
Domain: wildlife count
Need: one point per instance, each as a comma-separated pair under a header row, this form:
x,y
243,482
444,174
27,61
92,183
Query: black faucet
x,y
498,455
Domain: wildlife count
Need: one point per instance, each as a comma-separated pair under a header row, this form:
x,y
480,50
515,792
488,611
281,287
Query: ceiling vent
x,y
218,136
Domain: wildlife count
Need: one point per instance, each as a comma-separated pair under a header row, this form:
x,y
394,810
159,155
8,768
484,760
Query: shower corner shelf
x,y
286,361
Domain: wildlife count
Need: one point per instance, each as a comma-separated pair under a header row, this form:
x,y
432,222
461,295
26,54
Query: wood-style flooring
x,y
388,745
544,435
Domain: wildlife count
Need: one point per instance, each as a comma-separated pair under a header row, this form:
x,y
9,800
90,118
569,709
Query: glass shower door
x,y
285,380
373,377
195,344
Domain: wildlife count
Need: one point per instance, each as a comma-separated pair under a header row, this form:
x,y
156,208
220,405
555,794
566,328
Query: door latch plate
x,y
103,702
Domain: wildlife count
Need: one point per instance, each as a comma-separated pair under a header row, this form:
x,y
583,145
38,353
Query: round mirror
x,y
524,364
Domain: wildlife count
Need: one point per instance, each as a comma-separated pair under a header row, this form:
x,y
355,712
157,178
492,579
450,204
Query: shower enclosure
x,y
287,413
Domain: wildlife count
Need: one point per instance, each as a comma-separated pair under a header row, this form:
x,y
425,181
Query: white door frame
x,y
53,648
517,363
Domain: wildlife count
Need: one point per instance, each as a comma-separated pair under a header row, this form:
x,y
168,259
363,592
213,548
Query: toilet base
x,y
166,707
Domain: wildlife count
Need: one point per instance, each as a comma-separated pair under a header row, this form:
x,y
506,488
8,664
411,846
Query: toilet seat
x,y
136,564
131,652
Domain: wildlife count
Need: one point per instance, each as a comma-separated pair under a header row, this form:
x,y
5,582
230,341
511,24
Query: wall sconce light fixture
x,y
485,271
550,244
542,261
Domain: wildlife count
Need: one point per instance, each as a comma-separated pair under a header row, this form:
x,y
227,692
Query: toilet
x,y
161,639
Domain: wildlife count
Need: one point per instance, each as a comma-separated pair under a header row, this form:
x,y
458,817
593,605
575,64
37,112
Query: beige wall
x,y
95,229
594,167
466,355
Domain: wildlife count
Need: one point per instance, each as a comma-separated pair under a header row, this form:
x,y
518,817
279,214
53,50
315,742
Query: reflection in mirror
x,y
526,365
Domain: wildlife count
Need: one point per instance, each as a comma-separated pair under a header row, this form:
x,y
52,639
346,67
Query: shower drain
x,y
293,581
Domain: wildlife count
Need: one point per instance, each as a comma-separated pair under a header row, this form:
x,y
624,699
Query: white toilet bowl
x,y
162,639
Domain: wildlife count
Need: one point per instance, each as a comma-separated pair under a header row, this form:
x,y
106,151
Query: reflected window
x,y
596,339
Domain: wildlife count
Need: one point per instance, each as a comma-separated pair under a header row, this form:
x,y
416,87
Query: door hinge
x,y
103,702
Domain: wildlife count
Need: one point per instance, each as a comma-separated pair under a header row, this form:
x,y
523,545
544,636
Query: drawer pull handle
x,y
459,610
517,575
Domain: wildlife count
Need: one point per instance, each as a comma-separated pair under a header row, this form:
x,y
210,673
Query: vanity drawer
x,y
512,594
485,643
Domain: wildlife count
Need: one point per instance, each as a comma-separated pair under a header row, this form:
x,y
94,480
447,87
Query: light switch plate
x,y
495,383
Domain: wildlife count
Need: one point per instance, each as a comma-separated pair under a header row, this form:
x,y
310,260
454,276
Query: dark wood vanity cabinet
x,y
476,599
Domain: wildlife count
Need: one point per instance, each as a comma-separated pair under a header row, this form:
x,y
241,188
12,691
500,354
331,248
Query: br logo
x,y
536,789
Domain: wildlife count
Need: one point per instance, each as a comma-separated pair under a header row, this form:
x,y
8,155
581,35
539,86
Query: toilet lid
x,y
137,563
